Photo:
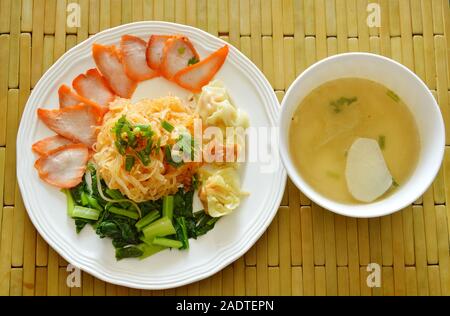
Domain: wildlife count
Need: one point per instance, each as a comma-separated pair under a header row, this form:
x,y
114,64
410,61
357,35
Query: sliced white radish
x,y
366,172
63,167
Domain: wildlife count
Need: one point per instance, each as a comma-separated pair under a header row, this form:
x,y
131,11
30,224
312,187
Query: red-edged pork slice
x,y
108,63
155,49
178,53
44,146
94,87
196,76
63,167
67,97
133,50
76,123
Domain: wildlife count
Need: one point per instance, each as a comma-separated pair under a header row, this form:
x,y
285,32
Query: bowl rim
x,y
349,209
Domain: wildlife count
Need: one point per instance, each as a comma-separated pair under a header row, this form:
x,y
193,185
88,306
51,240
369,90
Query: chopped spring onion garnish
x,y
193,61
382,141
338,104
129,162
167,126
393,95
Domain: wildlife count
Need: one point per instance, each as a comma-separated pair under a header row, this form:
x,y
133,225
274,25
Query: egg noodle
x,y
158,178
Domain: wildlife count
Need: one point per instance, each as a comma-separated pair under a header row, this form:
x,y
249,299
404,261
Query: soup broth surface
x,y
333,116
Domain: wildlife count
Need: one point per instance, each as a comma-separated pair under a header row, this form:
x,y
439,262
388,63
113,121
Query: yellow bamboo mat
x,y
306,250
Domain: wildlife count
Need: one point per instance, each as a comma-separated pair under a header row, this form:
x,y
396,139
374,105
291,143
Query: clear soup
x,y
333,116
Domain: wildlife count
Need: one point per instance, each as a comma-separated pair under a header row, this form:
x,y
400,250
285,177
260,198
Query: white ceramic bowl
x,y
409,88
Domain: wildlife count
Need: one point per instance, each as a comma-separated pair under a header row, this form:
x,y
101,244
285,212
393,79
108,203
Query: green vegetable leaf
x,y
128,252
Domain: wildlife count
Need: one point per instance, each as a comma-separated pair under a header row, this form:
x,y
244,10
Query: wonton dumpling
x,y
220,191
215,108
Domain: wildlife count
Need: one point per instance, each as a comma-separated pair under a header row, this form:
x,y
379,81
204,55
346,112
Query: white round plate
x,y
233,234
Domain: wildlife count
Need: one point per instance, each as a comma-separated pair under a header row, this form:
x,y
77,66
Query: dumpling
x,y
215,108
220,191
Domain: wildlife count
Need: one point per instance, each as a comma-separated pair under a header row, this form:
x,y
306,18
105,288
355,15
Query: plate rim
x,y
88,264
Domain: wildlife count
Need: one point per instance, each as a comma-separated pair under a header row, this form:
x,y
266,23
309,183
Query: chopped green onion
x,y
85,212
159,228
147,219
394,183
168,154
181,50
129,162
166,242
167,209
70,201
393,95
167,126
123,212
382,141
131,251
193,61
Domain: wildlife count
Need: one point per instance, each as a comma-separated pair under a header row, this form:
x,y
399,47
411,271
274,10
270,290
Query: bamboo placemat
x,y
306,250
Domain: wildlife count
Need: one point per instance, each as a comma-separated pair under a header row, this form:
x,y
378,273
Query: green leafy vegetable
x,y
150,250
147,219
123,212
204,223
85,212
129,252
168,206
159,228
182,234
70,202
170,219
166,242
84,199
